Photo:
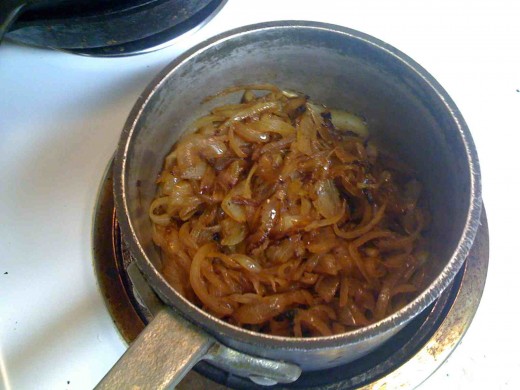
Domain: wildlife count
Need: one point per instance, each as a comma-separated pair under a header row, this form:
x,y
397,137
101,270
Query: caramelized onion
x,y
234,210
328,202
251,111
273,125
233,232
211,302
278,214
246,262
268,307
248,133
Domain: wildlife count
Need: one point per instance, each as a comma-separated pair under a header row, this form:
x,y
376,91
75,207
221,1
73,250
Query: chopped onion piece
x,y
345,121
247,262
273,125
328,202
253,110
233,232
250,134
235,211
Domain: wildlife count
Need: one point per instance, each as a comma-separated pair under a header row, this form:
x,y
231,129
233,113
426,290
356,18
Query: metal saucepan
x,y
405,108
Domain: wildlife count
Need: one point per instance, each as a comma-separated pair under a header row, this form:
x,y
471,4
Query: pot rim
x,y
221,329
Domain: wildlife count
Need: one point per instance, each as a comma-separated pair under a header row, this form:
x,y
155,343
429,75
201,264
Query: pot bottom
x,y
405,361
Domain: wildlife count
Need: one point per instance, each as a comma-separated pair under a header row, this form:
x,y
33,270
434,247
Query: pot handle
x,y
160,356
170,346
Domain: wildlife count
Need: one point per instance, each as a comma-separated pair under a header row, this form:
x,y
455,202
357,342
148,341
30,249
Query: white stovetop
x,y
60,118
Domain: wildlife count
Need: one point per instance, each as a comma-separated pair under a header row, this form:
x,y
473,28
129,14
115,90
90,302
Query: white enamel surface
x,y
60,118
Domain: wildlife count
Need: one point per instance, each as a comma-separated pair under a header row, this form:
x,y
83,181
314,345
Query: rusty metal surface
x,y
454,326
108,270
447,321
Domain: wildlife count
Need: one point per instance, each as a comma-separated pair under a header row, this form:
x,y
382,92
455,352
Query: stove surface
x,y
60,120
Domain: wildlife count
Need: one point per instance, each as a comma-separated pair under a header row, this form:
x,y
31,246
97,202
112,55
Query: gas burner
x,y
405,361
